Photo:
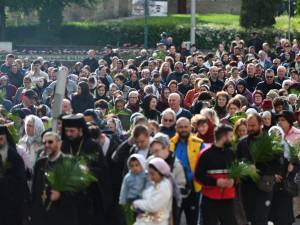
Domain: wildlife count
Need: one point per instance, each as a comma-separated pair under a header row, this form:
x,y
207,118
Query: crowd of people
x,y
160,131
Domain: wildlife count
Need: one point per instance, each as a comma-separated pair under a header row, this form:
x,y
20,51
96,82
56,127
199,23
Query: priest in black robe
x,y
96,201
12,180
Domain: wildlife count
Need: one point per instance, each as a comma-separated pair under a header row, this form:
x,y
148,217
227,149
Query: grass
x,y
217,20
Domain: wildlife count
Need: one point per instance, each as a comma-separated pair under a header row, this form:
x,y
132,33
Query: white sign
x,y
156,8
5,46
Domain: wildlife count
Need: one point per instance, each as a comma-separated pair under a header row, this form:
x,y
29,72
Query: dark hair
x,y
221,130
120,76
278,101
94,131
234,101
139,130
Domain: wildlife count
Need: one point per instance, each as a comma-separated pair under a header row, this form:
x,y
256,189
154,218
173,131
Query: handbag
x,y
266,183
290,187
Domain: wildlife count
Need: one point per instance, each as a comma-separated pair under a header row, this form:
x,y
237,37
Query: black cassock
x,y
12,188
95,203
62,211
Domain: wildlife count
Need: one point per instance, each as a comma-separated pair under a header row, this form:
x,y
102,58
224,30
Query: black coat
x,y
95,202
12,189
81,103
61,212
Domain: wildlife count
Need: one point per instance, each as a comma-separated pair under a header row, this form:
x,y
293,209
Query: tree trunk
x,y
2,21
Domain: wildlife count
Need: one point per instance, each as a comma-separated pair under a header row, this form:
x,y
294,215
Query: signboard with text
x,y
156,8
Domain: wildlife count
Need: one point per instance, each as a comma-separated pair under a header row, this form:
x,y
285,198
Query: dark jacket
x,y
251,83
12,189
265,88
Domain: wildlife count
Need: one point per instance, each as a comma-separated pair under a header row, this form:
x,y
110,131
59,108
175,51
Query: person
x,y
186,148
203,128
256,201
222,99
240,129
255,41
156,203
7,88
12,180
63,205
133,103
217,188
177,74
6,66
160,147
83,99
216,84
251,79
138,142
149,108
282,202
15,77
31,141
269,83
91,61
163,100
35,73
26,86
286,120
190,95
94,203
168,120
174,104
121,112
242,90
135,181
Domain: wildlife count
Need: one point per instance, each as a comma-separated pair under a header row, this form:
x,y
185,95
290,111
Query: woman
x,y
101,93
31,141
190,96
149,108
267,120
39,88
240,129
282,202
222,99
164,71
229,87
203,128
163,101
156,204
258,97
234,106
133,79
133,102
114,125
168,121
241,89
83,99
27,84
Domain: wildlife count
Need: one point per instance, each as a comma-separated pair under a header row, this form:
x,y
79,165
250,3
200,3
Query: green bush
x,y
207,36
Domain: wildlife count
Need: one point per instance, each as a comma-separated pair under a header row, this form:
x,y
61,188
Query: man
x,y
281,74
269,82
200,64
91,61
256,201
120,80
216,84
251,79
157,82
174,103
217,188
6,66
255,41
263,61
109,54
12,180
29,100
15,76
177,74
36,73
138,142
186,147
63,206
95,202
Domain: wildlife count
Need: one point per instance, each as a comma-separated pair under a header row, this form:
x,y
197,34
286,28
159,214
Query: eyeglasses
x,y
269,77
132,97
50,142
168,120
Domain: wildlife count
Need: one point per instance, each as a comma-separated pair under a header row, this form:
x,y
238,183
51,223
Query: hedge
x,y
207,36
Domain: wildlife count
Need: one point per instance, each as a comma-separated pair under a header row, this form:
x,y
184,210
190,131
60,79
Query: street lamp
x,y
193,22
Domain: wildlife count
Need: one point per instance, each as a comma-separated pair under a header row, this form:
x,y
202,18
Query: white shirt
x,y
105,145
3,153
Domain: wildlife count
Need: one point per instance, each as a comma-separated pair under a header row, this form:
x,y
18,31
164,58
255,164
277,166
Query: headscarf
x,y
140,158
279,131
38,129
165,170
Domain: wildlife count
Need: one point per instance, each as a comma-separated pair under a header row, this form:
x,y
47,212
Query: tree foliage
x,y
257,13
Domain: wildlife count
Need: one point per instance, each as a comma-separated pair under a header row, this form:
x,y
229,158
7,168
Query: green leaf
x,y
241,170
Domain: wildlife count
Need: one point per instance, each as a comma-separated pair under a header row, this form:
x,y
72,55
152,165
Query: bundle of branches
x,y
70,175
266,148
294,153
241,170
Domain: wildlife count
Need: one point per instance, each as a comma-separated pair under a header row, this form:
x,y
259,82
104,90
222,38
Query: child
x,y
135,181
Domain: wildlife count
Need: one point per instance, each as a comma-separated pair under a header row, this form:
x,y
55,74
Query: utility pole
x,y
289,21
193,22
146,14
